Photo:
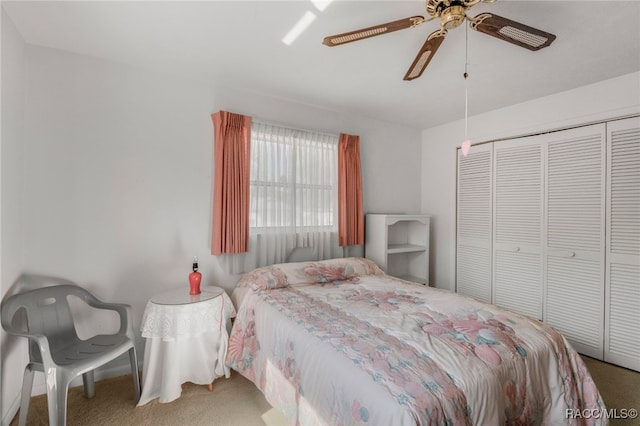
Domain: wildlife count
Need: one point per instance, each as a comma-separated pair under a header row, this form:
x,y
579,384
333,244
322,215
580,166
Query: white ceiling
x,y
239,43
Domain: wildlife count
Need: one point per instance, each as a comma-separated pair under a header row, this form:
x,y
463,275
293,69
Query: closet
x,y
574,255
474,225
549,226
622,282
517,236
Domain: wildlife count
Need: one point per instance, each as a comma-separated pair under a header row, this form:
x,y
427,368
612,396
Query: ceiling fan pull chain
x,y
466,105
466,84
466,144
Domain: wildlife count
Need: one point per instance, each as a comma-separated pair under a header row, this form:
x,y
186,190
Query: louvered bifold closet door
x,y
622,307
575,223
517,245
474,216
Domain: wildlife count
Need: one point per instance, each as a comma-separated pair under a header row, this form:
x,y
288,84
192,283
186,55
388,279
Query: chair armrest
x,y
41,340
124,310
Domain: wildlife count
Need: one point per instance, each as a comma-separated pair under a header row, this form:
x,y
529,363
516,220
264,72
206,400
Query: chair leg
x,y
25,398
89,384
57,387
63,389
133,359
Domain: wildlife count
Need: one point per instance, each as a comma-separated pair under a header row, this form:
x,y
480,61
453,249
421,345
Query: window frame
x,y
292,184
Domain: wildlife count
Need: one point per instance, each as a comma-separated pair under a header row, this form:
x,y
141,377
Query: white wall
x,y
118,174
608,99
120,166
12,164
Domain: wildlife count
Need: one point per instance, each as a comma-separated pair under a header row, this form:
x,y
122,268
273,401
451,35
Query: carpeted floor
x,y
619,387
237,402
234,401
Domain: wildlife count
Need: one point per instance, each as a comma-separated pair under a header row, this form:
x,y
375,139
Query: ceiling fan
x,y
452,14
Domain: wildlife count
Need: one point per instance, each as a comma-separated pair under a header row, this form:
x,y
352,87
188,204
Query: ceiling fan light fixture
x,y
452,17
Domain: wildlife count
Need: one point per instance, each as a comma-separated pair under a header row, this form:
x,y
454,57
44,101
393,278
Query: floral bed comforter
x,y
371,349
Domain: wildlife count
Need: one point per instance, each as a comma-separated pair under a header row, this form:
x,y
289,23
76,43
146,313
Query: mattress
x,y
340,342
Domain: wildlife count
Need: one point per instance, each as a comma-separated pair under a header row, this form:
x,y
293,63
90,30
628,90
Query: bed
x,y
339,342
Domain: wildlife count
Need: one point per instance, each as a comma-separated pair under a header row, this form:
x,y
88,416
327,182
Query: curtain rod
x,y
272,123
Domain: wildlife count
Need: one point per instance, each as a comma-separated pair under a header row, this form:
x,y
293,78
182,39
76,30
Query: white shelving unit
x,y
399,243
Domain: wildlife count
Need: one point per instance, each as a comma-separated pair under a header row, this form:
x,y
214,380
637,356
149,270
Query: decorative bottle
x,y
194,279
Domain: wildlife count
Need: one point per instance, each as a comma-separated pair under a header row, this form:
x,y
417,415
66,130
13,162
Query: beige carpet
x,y
237,402
234,401
619,387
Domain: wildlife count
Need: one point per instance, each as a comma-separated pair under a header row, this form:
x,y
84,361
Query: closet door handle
x,y
563,253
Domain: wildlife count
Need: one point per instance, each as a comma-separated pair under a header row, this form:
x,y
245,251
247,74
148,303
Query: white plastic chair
x,y
55,348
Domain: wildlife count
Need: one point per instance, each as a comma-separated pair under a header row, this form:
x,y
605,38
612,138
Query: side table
x,y
186,341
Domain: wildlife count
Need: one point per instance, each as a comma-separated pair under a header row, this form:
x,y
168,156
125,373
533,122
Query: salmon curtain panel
x,y
232,147
350,216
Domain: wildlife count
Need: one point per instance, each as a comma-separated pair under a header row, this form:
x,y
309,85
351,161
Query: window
x,y
293,187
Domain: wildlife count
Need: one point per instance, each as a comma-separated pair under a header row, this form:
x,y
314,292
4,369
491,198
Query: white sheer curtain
x,y
293,197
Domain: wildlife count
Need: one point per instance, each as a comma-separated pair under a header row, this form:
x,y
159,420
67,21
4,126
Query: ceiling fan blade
x,y
401,24
425,54
511,31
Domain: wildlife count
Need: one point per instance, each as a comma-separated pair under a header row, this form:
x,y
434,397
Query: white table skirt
x,y
185,343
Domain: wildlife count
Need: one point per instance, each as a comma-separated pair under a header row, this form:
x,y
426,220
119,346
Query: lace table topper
x,y
186,319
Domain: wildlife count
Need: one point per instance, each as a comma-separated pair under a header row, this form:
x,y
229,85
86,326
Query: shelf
x,y
404,248
399,244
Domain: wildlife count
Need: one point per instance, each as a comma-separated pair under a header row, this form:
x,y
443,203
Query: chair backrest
x,y
47,312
